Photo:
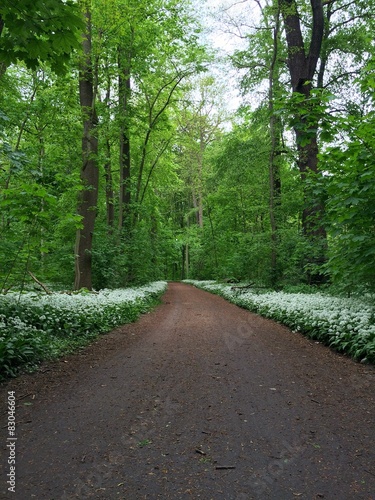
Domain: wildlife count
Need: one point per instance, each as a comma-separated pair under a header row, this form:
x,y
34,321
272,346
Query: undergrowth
x,y
345,324
36,327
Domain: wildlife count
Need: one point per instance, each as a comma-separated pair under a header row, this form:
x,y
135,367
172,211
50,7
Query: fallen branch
x,y
244,287
39,283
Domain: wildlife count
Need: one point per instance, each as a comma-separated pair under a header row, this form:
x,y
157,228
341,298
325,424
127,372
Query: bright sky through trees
x,y
226,24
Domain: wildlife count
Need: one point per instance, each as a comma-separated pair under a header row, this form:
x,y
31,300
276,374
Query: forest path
x,y
198,400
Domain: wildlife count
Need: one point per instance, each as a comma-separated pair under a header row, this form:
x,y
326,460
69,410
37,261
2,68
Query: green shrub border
x,y
353,344
24,345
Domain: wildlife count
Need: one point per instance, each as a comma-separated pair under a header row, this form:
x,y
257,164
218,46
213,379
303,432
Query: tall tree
x,y
87,208
124,85
199,121
145,52
262,62
320,39
303,58
38,181
276,146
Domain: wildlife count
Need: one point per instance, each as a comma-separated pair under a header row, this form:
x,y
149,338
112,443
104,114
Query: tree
x,y
87,208
124,86
38,179
302,64
276,148
350,170
320,39
262,61
136,137
144,52
39,31
199,121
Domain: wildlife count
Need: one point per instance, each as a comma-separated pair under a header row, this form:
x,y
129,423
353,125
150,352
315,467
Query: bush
x,y
20,344
345,324
35,326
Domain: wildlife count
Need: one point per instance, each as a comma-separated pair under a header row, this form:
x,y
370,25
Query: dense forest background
x,y
121,161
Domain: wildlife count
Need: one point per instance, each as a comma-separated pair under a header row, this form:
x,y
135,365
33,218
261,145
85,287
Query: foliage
x,y
347,325
236,239
38,181
20,344
35,326
200,203
350,193
33,31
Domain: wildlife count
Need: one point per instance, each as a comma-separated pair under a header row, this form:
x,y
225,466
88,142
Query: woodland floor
x,y
198,400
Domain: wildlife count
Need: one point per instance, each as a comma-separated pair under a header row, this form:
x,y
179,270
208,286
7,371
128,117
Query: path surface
x,y
198,400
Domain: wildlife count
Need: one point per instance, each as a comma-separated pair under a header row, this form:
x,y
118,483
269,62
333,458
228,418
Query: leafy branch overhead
x,y
35,31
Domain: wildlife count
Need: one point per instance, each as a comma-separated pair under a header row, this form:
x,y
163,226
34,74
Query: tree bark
x,y
87,207
274,167
109,194
202,148
124,94
302,67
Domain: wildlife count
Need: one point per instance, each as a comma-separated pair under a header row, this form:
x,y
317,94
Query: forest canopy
x,y
122,163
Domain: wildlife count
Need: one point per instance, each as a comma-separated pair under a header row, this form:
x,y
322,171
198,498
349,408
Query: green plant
x,y
34,326
345,324
20,345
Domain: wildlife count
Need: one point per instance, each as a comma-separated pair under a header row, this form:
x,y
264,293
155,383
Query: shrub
x,y
345,324
35,326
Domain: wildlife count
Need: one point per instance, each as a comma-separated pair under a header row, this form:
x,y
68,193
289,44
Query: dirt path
x,y
198,400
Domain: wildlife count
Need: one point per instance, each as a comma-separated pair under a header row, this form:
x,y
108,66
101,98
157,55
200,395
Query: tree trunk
x,y
202,148
109,195
196,207
308,150
185,261
274,167
302,67
89,173
124,94
324,50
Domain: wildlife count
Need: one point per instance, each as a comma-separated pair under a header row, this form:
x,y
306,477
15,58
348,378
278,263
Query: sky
x,y
230,21
226,23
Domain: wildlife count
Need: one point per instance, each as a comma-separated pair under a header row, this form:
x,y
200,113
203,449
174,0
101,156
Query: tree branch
x,y
39,283
339,77
317,36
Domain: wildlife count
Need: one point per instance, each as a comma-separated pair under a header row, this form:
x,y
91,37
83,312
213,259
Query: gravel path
x,y
198,400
